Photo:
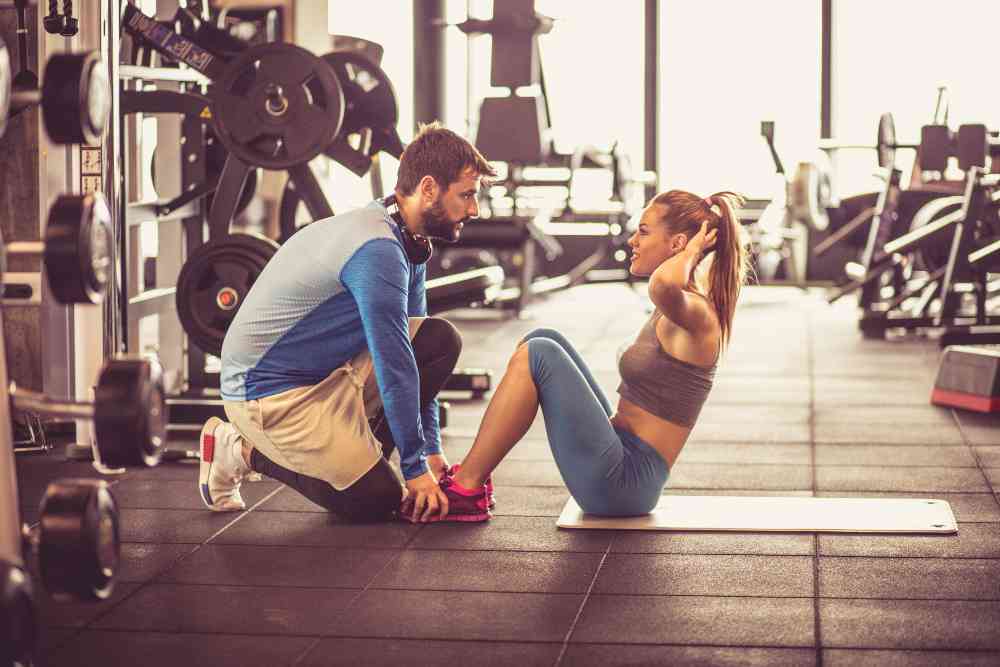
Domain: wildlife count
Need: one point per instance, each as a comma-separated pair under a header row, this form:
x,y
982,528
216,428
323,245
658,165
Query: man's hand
x,y
438,464
425,497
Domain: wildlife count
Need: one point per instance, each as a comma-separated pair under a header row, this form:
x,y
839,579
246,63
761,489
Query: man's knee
x,y
440,336
374,497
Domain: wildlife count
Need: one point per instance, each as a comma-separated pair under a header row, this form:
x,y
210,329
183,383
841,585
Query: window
x,y
891,56
726,65
394,31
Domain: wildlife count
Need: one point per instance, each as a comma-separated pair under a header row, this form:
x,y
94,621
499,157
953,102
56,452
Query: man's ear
x,y
428,188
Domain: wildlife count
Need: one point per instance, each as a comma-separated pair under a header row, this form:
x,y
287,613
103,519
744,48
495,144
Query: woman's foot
x,y
452,471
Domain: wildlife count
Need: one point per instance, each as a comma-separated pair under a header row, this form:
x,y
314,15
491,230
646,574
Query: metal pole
x,y
651,99
826,72
428,61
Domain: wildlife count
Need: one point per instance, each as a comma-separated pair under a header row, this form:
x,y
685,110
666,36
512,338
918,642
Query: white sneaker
x,y
222,466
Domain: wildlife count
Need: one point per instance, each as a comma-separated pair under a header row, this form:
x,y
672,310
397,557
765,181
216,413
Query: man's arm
x,y
377,276
417,307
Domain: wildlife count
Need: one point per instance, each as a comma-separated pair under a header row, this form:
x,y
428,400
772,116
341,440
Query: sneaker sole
x,y
464,518
206,448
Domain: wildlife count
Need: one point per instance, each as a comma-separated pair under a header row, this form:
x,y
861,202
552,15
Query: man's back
x,y
300,321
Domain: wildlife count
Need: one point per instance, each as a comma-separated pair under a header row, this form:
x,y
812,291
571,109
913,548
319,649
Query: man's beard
x,y
437,225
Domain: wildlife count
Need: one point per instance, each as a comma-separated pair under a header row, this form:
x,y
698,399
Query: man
x,y
330,362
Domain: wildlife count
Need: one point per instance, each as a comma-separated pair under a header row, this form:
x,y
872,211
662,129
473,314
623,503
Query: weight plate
x,y
130,413
886,141
5,86
214,282
78,248
811,195
78,539
18,623
277,106
370,110
76,98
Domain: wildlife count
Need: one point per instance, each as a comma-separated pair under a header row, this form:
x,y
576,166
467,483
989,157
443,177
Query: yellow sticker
x,y
206,113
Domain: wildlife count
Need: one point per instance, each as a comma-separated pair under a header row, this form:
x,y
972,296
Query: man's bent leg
x,y
436,346
374,497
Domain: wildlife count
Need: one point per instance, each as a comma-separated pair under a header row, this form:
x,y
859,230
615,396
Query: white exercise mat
x,y
778,514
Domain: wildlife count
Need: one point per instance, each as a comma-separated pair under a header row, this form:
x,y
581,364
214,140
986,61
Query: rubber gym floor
x,y
802,406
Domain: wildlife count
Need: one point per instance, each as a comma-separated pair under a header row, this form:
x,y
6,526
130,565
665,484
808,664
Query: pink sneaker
x,y
463,504
489,484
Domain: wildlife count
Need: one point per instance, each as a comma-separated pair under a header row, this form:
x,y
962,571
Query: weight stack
x,y
968,378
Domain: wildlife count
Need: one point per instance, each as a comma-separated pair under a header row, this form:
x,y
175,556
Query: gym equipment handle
x,y
33,401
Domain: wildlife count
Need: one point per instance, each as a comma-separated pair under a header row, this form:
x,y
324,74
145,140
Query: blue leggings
x,y
609,471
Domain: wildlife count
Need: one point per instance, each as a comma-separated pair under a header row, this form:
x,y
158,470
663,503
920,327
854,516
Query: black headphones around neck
x,y
418,248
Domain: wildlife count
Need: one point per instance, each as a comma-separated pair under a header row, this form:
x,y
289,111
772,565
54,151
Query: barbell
x,y
885,142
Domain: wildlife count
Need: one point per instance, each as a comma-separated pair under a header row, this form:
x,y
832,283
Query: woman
x,y
616,463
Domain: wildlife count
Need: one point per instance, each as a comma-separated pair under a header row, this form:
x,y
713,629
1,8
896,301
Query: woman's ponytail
x,y
731,261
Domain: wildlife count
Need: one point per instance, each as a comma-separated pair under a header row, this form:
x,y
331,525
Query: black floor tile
x,y
180,495
601,655
254,610
655,542
531,617
863,657
173,526
251,565
313,529
912,578
73,613
524,572
737,576
720,621
910,624
108,648
398,652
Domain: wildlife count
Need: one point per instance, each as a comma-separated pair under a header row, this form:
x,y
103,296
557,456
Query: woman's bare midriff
x,y
665,437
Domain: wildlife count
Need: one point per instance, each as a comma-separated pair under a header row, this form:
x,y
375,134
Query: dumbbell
x,y
76,547
75,97
129,412
76,251
77,540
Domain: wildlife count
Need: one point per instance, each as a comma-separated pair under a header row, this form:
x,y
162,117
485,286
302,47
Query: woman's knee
x,y
544,333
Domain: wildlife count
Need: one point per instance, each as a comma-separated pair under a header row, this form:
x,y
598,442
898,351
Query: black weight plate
x,y
277,106
76,98
369,98
214,282
130,413
78,539
886,141
78,248
5,84
371,110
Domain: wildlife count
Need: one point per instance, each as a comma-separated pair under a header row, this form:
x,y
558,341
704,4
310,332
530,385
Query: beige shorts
x,y
320,430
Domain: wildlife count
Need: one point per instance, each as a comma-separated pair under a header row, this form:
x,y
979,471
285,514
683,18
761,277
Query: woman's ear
x,y
678,242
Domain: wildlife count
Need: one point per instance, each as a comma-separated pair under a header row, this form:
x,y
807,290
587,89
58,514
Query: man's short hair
x,y
437,151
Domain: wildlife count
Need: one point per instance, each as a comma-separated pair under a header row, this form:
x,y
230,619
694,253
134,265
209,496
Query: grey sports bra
x,y
662,384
